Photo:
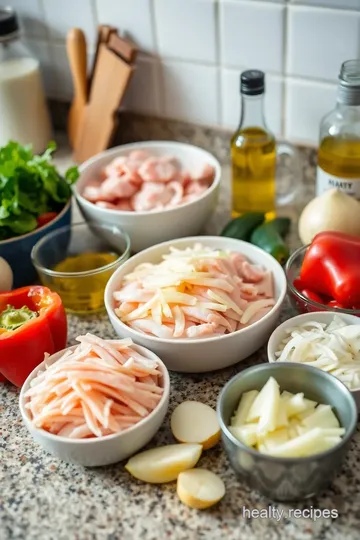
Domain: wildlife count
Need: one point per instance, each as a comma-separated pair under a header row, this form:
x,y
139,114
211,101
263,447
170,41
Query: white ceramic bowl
x,y
205,354
103,450
149,228
321,316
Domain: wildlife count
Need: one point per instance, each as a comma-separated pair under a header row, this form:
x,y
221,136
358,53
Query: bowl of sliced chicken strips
x,y
96,402
201,303
154,190
326,340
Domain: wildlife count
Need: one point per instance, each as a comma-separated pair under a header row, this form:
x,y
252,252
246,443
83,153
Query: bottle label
x,y
325,181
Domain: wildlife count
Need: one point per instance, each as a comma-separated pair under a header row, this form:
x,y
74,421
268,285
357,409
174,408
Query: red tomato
x,y
334,303
46,218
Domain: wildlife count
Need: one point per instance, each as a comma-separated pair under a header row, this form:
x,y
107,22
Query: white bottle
x,y
24,115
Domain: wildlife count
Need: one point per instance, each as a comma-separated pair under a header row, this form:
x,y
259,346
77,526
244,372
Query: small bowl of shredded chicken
x,y
155,191
201,303
97,402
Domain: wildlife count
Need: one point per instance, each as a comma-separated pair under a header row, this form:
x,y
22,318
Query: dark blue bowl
x,y
16,251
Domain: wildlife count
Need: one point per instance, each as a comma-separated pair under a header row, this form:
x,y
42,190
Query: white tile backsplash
x,y
252,34
190,92
131,17
344,4
62,15
40,49
186,29
231,101
142,94
306,104
319,40
30,15
61,83
192,53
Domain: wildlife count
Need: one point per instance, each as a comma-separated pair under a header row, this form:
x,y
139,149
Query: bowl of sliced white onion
x,y
203,303
326,340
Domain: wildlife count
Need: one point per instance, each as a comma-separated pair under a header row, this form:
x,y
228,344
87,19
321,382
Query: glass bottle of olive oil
x,y
339,147
253,151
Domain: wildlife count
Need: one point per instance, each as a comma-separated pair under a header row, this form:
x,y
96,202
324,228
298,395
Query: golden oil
x,y
253,161
83,293
339,146
253,152
339,158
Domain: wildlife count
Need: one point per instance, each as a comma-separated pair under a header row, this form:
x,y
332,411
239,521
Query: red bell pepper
x,y
32,322
311,295
308,293
335,304
331,266
298,284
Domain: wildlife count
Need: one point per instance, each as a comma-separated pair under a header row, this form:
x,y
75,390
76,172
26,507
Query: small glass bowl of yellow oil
x,y
77,261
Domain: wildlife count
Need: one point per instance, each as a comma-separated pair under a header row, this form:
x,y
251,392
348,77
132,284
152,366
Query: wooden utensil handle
x,y
76,49
123,48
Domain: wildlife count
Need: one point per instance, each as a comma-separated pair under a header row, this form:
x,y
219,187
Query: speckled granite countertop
x,y
45,499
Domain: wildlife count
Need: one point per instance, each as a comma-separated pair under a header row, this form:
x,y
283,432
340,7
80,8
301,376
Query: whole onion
x,y
331,211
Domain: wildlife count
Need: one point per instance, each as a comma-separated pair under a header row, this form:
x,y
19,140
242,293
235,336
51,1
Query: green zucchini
x,y
282,225
268,238
242,226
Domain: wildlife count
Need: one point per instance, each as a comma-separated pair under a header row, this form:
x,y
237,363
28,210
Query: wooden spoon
x,y
76,49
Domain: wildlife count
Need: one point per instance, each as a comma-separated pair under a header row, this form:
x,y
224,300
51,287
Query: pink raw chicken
x,y
100,388
158,169
144,183
197,292
117,187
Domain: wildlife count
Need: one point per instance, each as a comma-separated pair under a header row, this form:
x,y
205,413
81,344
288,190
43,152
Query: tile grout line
x,y
284,68
176,59
95,15
49,42
44,20
218,62
158,79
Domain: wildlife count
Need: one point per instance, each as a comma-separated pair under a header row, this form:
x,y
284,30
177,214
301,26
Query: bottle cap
x,y
252,82
349,87
8,22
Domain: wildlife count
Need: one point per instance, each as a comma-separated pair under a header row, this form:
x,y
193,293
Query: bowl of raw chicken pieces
x,y
155,190
201,303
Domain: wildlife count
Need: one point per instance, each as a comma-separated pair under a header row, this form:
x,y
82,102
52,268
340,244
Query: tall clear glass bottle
x,y
24,115
253,151
339,145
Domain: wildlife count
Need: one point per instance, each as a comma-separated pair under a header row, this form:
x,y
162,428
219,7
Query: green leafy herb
x,y
30,185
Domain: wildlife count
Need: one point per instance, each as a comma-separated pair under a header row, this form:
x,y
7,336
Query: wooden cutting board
x,y
111,77
103,34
